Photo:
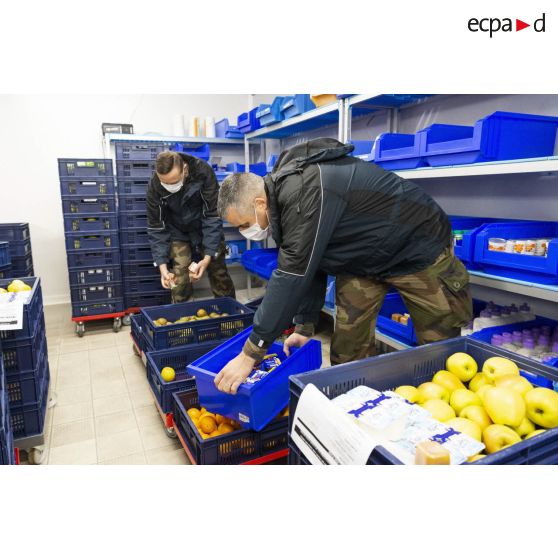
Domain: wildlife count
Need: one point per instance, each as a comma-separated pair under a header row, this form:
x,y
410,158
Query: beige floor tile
x,y
141,398
106,373
154,437
78,360
131,361
114,423
107,389
73,412
108,355
123,337
72,345
134,459
113,404
82,453
136,382
69,379
119,445
77,394
72,432
125,349
101,340
167,456
148,416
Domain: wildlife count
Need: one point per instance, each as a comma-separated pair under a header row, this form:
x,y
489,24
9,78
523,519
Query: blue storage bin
x,y
177,359
132,203
235,448
235,249
32,310
129,186
254,405
138,151
418,365
21,267
14,231
5,271
270,114
295,105
133,220
393,304
139,269
398,151
160,297
224,130
497,137
193,149
91,222
134,236
94,293
19,248
143,285
136,253
271,162
247,121
95,275
5,259
134,169
85,167
330,292
537,269
25,387
220,175
92,241
23,354
136,331
258,168
261,262
203,331
88,259
29,419
79,205
362,149
97,308
87,187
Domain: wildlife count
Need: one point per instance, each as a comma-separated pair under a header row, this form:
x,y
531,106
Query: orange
x,y
204,435
208,424
196,422
208,414
220,419
225,428
194,413
214,434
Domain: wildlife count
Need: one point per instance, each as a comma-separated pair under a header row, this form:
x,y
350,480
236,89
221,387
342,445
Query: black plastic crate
x,y
24,354
132,203
32,311
14,231
85,167
131,186
82,309
91,222
95,275
133,219
88,259
29,419
142,300
94,293
142,284
136,253
138,151
92,241
135,169
20,248
139,269
135,237
25,387
87,187
81,205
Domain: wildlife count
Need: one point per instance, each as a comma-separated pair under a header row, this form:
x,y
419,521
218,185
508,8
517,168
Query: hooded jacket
x,y
189,215
331,213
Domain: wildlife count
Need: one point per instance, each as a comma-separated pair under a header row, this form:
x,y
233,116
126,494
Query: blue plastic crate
x,y
261,262
160,297
85,167
133,220
129,186
271,161
25,387
95,275
258,168
224,130
29,419
134,169
240,446
202,331
20,264
138,151
79,205
142,285
132,203
418,365
330,292
14,231
23,354
136,253
220,175
135,237
398,151
19,248
393,304
270,114
87,187
95,293
193,149
538,269
4,254
496,137
295,105
139,269
247,121
5,271
91,222
94,258
136,331
92,241
254,405
178,359
97,308
32,310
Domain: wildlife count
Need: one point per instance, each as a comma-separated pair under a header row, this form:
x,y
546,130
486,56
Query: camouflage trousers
x,y
219,278
437,298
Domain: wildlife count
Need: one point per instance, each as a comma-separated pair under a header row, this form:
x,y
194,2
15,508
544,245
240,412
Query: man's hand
x,y
294,340
196,271
234,373
167,278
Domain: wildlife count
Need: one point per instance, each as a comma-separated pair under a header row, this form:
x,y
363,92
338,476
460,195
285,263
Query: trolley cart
x,y
115,316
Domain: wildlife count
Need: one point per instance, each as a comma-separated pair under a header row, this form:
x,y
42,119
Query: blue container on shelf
x,y
330,292
224,130
247,121
85,167
91,222
398,151
5,259
261,262
138,151
142,285
93,258
220,175
295,105
234,249
499,136
271,162
362,149
257,168
193,149
87,186
270,114
255,405
393,304
139,268
537,269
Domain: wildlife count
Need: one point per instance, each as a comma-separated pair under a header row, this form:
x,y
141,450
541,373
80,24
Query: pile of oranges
x,y
211,425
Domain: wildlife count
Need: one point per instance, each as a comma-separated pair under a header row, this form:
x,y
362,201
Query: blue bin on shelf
x,y
398,151
138,151
224,130
295,105
537,269
362,149
257,168
499,136
195,150
220,175
261,262
270,114
247,121
255,405
271,162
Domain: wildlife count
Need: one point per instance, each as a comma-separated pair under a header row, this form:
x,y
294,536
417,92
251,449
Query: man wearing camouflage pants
x,y
333,214
184,228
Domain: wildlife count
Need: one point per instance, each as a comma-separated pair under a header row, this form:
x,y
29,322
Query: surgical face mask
x,y
255,232
172,188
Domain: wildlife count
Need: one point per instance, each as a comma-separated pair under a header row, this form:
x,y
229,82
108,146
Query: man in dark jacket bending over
x,y
334,214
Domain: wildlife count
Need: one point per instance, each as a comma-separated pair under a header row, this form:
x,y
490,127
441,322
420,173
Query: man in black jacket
x,y
334,214
183,225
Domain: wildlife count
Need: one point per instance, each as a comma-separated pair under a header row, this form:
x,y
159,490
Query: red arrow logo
x,y
519,25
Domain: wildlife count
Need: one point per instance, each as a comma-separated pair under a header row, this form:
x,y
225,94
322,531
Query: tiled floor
x,y
104,412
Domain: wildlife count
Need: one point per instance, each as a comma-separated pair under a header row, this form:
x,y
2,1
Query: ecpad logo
x,y
493,25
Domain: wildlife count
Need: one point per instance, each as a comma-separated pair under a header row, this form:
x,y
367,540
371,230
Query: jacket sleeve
x,y
313,301
212,226
157,232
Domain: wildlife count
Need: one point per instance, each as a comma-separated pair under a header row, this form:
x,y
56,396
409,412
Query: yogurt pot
x,y
530,247
519,246
510,246
497,244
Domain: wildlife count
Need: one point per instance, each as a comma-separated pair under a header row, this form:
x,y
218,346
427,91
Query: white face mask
x,y
172,188
255,232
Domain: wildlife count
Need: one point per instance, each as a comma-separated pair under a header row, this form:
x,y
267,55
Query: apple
x,y
542,407
439,409
448,380
478,380
497,436
499,366
535,433
477,414
466,426
410,393
481,392
525,428
519,383
430,390
462,398
476,457
505,406
462,365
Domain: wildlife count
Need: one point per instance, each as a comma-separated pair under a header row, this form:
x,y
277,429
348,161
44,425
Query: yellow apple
x,y
535,433
430,390
477,414
481,392
16,286
448,380
462,398
466,426
542,407
499,366
439,409
505,406
519,383
462,365
479,380
497,437
410,393
476,457
525,428
3,291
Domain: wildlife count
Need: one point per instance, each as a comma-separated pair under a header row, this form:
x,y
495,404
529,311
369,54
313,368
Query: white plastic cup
x,y
497,244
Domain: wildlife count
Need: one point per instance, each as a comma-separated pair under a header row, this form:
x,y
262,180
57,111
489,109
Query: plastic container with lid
x,y
497,244
510,246
525,313
497,340
517,339
483,321
528,348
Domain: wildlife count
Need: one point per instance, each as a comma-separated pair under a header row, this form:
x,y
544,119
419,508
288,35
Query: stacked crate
x,y
91,231
135,165
6,435
18,237
5,260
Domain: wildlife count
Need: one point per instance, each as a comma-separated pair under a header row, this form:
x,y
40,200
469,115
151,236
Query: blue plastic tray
x,y
136,331
80,205
247,121
136,253
4,254
132,203
134,285
133,220
14,231
100,240
224,130
139,269
193,149
95,293
24,354
134,169
295,105
88,259
29,419
19,248
147,300
270,114
95,275
85,167
129,186
261,262
136,237
97,308
414,366
398,151
362,149
87,187
25,387
140,151
254,405
91,222
257,168
32,311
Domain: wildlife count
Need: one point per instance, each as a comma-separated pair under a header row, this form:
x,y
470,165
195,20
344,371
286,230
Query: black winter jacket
x,y
189,215
330,214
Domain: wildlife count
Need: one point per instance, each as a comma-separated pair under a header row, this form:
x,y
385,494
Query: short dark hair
x,y
167,160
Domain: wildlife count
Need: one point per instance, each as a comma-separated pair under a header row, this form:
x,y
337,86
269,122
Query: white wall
x,y
35,130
